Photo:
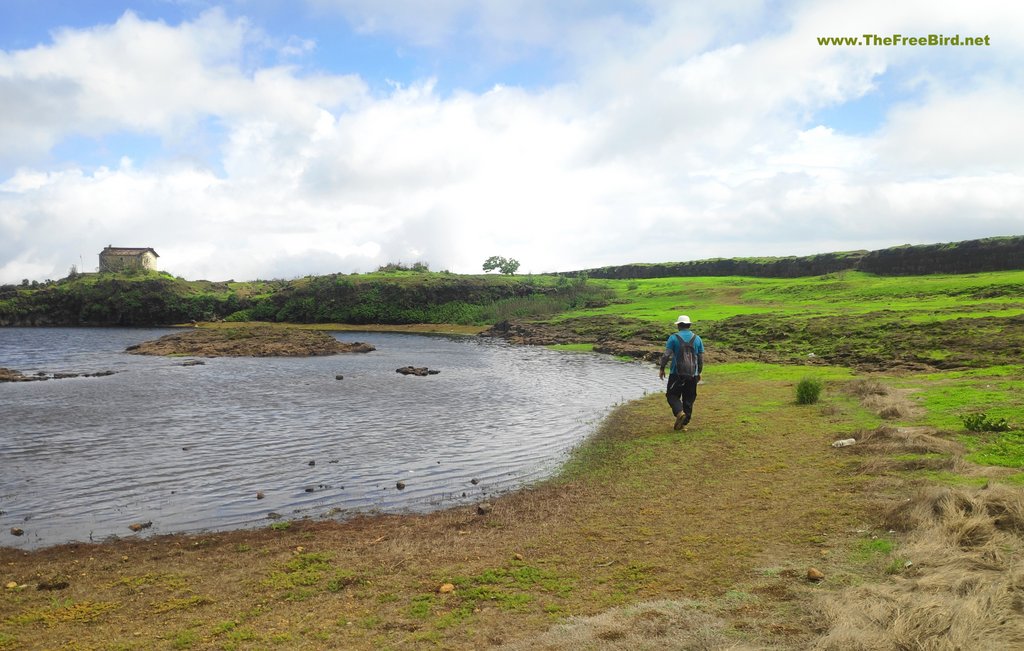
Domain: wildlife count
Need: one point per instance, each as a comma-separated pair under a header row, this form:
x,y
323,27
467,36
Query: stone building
x,y
114,258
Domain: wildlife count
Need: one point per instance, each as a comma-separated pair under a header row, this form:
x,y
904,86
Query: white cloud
x,y
685,135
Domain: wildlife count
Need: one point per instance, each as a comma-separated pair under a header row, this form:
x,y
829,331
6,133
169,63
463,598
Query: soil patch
x,y
248,342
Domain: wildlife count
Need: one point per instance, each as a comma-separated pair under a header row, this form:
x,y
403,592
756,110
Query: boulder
x,y
420,372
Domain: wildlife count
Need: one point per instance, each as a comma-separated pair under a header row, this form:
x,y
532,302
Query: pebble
x,y
484,508
15,531
139,526
814,574
400,485
446,588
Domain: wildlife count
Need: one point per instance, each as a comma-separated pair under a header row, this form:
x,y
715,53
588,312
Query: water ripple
x,y
189,448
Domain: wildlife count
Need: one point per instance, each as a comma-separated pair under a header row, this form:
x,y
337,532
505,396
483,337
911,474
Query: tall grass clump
x,y
808,391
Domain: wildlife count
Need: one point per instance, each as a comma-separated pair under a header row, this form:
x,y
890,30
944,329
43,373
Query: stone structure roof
x,y
116,250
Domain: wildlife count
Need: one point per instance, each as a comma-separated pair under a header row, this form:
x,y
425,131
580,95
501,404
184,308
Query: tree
x,y
507,266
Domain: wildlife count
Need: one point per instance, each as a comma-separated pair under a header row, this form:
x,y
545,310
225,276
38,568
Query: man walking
x,y
686,351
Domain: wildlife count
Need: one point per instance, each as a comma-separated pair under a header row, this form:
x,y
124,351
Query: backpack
x,y
686,358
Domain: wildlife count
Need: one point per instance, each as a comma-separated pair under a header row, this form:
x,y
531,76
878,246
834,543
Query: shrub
x,y
982,423
808,390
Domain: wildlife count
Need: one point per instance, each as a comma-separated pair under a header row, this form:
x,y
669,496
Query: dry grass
x,y
888,402
651,626
965,585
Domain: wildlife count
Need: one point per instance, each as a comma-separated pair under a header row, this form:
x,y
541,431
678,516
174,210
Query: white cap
x,y
683,319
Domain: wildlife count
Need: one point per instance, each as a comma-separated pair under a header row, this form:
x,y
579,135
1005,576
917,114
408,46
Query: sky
x,y
258,139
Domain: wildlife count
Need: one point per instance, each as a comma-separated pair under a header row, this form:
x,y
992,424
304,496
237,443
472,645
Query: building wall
x,y
110,262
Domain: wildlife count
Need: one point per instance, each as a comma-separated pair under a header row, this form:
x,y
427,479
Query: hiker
x,y
686,351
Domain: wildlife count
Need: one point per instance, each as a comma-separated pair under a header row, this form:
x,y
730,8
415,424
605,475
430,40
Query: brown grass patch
x,y
964,588
919,440
887,402
650,626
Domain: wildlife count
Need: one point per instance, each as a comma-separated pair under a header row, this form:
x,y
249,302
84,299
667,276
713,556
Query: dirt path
x,y
731,513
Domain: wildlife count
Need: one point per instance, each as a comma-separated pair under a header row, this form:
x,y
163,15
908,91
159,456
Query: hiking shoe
x,y
686,421
681,420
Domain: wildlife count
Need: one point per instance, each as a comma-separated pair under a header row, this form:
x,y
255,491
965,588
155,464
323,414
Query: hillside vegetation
x,y
404,297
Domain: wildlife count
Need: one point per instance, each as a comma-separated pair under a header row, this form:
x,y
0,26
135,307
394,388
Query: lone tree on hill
x,y
506,266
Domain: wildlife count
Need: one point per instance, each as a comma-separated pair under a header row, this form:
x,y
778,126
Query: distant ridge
x,y
969,256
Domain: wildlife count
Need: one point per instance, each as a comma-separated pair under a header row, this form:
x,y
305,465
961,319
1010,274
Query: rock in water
x,y
418,371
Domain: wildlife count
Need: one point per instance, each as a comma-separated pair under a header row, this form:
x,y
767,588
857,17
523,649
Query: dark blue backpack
x,y
686,356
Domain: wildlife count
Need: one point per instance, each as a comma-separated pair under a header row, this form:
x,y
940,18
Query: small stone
x,y
260,495
484,508
446,588
15,531
139,526
339,377
400,485
474,481
310,489
814,574
12,585
517,557
53,584
312,463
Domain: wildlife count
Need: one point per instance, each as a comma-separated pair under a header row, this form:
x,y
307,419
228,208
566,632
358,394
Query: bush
x,y
808,390
982,423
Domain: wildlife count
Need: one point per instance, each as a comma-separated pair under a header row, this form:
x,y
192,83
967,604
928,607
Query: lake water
x,y
189,447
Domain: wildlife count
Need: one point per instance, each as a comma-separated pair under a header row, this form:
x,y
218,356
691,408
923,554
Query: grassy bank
x,y
849,319
723,521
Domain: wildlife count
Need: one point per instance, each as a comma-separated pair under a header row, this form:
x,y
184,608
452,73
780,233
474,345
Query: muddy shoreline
x,y
248,342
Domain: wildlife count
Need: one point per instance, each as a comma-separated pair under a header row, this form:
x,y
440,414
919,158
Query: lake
x,y
188,448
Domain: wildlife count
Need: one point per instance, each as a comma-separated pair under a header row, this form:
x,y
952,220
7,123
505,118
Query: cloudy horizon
x,y
252,139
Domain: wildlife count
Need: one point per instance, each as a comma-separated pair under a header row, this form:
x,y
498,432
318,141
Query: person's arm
x,y
665,356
